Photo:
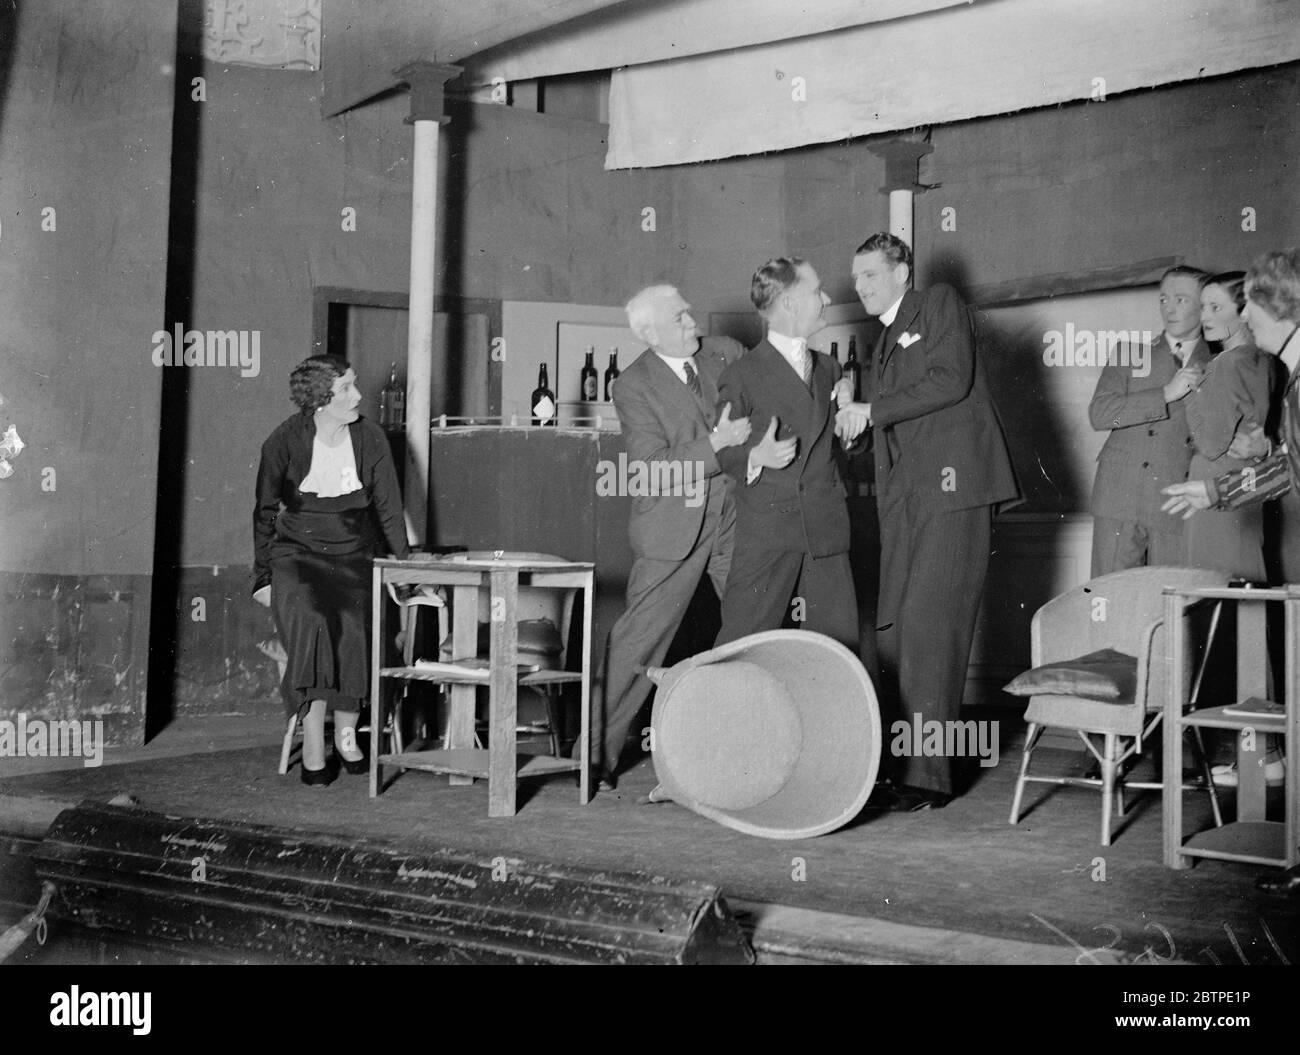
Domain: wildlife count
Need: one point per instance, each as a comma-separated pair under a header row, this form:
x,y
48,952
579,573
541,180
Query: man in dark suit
x,y
1273,315
792,523
1150,443
684,527
941,465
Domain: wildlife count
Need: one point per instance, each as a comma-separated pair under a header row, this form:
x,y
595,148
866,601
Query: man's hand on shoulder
x,y
728,432
727,348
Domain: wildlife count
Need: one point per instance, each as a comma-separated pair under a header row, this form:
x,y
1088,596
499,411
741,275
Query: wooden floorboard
x,y
962,873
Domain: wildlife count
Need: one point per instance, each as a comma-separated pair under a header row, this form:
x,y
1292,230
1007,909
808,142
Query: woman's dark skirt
x,y
322,613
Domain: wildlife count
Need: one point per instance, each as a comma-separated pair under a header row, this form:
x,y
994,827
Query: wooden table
x,y
459,758
1250,838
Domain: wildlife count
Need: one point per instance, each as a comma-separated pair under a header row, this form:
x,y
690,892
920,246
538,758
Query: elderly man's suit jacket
x,y
1150,443
665,425
938,440
800,508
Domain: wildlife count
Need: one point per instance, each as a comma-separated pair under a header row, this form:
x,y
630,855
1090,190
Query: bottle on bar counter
x,y
589,390
611,375
543,401
852,368
392,404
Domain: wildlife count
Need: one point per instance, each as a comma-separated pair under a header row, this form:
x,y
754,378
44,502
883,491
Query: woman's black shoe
x,y
319,777
361,765
349,738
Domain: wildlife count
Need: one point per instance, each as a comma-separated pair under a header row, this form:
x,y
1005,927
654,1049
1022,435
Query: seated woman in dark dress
x,y
326,492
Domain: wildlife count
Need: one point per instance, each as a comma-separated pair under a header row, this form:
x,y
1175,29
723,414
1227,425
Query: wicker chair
x,y
1123,611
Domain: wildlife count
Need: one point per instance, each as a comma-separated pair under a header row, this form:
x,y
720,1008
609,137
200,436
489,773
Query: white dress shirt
x,y
676,364
333,470
794,350
1182,347
887,319
1290,354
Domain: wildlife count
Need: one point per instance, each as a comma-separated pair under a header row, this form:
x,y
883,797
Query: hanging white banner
x,y
949,65
632,34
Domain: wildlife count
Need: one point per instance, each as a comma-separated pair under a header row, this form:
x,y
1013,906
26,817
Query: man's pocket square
x,y
908,339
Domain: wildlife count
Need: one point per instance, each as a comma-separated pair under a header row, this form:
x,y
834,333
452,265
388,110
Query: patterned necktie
x,y
807,368
693,379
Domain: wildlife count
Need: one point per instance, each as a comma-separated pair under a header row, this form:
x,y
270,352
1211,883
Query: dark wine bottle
x,y
543,400
852,368
611,375
588,388
835,350
392,404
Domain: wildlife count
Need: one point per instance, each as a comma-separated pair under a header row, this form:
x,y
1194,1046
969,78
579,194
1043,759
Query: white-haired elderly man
x,y
667,403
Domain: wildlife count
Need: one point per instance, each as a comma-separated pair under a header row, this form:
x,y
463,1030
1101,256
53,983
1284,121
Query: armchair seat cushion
x,y
1102,675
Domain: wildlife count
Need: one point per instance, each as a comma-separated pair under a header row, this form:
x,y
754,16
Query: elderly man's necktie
x,y
693,379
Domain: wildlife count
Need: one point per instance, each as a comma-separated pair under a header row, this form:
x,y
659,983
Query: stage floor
x,y
956,885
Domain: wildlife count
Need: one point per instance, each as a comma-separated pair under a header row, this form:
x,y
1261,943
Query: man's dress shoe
x,y
1286,883
902,798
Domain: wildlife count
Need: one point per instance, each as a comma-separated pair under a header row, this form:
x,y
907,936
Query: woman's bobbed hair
x,y
311,385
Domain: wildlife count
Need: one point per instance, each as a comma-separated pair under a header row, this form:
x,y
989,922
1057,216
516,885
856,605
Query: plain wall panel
x,y
86,106
85,152
1096,185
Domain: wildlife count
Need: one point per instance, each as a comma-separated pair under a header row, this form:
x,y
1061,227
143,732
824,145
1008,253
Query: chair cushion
x,y
1102,675
537,638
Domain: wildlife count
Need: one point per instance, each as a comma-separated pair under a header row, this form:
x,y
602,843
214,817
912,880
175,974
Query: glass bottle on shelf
x,y
392,404
852,368
588,387
611,375
543,400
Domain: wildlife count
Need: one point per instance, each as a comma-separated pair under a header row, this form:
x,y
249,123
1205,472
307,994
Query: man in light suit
x,y
941,466
667,409
792,523
1150,444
